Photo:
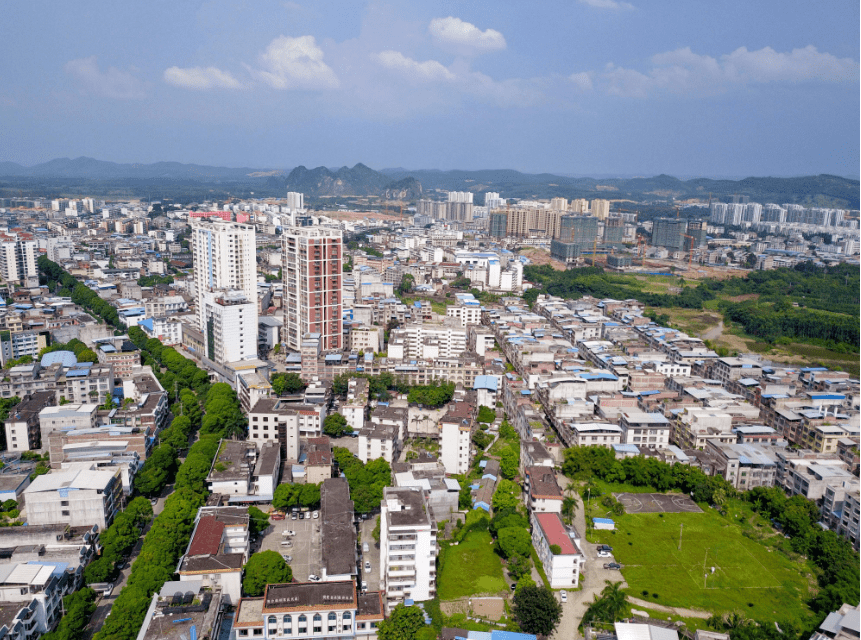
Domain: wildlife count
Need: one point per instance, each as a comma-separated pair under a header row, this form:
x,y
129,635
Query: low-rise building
x,y
379,441
22,425
183,610
744,466
645,430
543,494
80,497
557,549
338,535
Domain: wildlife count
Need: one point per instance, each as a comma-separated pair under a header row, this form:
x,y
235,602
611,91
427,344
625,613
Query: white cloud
x,y
607,4
430,70
295,63
200,78
465,36
112,83
683,71
582,80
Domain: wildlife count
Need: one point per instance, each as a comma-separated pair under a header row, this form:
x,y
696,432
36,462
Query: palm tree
x,y
615,600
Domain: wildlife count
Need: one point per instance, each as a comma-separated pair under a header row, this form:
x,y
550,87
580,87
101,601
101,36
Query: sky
x,y
575,87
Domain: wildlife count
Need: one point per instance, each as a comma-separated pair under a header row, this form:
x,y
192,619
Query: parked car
x,y
286,543
513,586
563,596
367,566
605,547
287,558
288,534
613,565
364,585
315,515
604,554
278,516
314,578
365,547
301,516
293,516
122,565
154,501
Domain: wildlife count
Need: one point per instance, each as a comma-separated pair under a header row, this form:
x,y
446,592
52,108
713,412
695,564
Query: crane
x,y
691,251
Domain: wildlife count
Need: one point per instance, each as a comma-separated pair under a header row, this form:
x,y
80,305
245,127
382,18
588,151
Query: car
x,y
301,516
612,565
154,501
288,534
605,554
605,547
278,516
513,586
365,547
122,565
315,515
293,516
367,566
286,543
314,578
364,585
287,558
563,596
108,590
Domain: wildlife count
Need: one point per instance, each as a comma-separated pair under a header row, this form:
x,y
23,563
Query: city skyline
x,y
594,87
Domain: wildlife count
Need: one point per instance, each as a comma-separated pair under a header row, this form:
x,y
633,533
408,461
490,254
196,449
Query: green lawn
x,y
749,577
470,568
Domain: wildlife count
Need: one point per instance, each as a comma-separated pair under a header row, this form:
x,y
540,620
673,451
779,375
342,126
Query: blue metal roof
x,y
485,382
603,521
65,358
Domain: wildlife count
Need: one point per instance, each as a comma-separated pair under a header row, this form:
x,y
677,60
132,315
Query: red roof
x,y
207,538
553,529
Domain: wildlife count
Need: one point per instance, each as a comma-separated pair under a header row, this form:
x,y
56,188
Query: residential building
x,y
17,258
22,425
124,358
840,509
408,547
669,233
839,625
183,610
272,419
229,320
218,549
308,610
456,434
86,382
312,276
427,340
318,460
66,417
646,430
428,474
744,466
543,494
32,596
80,498
354,407
563,564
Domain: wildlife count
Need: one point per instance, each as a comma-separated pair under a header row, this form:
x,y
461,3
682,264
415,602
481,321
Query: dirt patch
x,y
453,607
488,608
540,257
746,296
360,215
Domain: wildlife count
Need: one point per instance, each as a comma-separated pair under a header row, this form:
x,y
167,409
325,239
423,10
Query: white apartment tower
x,y
455,445
230,325
601,209
295,201
225,278
17,258
408,547
312,286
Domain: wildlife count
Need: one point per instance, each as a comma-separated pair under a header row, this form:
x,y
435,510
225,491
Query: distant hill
x,y
97,177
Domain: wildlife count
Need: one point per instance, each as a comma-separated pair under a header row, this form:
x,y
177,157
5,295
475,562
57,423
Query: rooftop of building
x,y
309,596
337,530
406,507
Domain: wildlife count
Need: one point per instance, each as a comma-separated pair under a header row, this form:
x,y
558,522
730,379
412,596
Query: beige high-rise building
x,y
601,209
580,205
559,204
526,222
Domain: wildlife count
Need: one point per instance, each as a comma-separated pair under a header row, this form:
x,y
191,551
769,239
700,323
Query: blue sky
x,y
588,87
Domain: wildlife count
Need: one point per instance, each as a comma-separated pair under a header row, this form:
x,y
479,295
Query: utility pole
x,y
681,526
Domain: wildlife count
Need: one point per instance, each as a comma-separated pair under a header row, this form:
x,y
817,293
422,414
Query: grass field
x,y
749,577
470,568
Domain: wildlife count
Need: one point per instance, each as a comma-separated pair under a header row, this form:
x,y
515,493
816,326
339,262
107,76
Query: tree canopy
x,y
265,567
335,426
404,623
536,610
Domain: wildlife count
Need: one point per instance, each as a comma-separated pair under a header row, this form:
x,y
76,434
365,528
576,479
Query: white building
x,y
407,547
353,408
166,329
17,258
66,417
646,430
379,441
230,325
455,445
427,341
79,497
562,565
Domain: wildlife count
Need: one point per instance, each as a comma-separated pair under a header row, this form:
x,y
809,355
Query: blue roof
x,y
498,634
65,358
827,396
602,521
626,448
485,382
146,323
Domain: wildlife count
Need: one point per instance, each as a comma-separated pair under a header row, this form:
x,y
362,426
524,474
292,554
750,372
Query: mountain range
x,y
99,177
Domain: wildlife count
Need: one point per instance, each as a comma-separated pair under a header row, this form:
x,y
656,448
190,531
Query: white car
x,y
563,596
367,567
605,554
288,534
316,515
314,578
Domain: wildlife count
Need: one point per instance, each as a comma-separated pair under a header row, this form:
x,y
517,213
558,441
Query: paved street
x,y
366,528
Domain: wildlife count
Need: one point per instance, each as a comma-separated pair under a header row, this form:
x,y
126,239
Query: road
x,y
714,333
104,604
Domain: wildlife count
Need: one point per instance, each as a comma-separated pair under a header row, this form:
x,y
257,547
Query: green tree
x,y
403,623
536,610
509,463
286,496
335,426
486,414
407,284
506,496
265,567
258,521
287,383
376,532
310,495
514,541
519,566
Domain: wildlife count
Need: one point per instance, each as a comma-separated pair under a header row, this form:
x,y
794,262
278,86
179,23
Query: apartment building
x,y
66,417
183,610
744,466
338,535
79,497
543,494
22,425
85,382
840,509
456,433
562,565
379,441
408,547
38,589
273,420
312,273
224,259
646,430
354,407
124,358
17,258
427,341
230,325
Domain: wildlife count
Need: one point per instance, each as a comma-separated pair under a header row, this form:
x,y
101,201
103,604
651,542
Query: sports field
x,y
717,569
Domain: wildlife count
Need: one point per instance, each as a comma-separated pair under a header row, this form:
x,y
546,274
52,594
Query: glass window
x,y
318,623
288,624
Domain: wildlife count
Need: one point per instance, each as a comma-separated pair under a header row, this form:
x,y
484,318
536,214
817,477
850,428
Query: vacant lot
x,y
471,568
748,577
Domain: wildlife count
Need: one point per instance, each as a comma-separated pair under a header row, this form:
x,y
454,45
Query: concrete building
x,y
456,433
669,233
338,534
379,441
229,325
17,258
85,382
646,430
272,419
354,407
173,614
81,497
562,568
306,609
22,425
427,341
65,417
312,275
543,494
428,474
408,547
744,466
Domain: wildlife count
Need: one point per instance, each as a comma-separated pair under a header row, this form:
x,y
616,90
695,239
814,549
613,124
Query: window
x,y
64,503
318,623
333,620
303,624
65,512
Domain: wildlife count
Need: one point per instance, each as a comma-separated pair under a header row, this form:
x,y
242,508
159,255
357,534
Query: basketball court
x,y
657,503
